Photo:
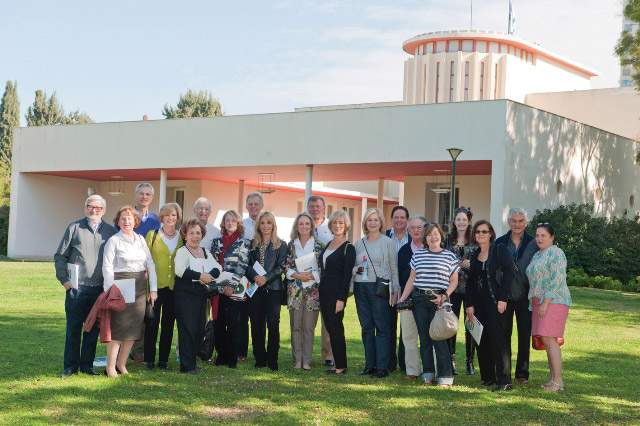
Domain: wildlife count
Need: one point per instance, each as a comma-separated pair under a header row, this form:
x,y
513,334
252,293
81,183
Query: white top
x,y
249,228
127,254
212,232
184,259
327,253
323,233
302,251
170,242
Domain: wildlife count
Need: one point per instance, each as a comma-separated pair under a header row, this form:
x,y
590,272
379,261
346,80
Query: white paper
x,y
251,289
307,263
474,328
74,273
259,269
128,289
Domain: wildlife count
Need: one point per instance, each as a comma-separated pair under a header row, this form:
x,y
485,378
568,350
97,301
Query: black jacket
x,y
274,263
335,277
404,268
527,249
500,274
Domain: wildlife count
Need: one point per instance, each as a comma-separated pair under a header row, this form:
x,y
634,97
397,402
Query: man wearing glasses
x,y
78,263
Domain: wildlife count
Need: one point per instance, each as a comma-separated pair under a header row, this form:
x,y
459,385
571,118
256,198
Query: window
x,y
180,198
424,82
481,47
467,46
494,47
466,81
439,46
481,80
453,46
558,186
428,48
351,212
451,78
495,83
437,81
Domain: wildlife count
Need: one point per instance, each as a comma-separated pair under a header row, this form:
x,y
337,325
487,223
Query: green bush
x,y
579,278
596,245
633,285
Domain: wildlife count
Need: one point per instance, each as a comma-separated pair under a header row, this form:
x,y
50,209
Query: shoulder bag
x,y
444,324
382,284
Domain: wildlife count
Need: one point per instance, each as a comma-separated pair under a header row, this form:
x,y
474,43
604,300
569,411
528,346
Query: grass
x,y
602,359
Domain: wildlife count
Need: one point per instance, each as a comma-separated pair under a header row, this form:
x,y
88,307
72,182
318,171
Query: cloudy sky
x,y
118,60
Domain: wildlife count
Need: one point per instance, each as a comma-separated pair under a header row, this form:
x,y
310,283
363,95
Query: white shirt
x,y
170,242
399,241
127,254
212,232
249,228
302,251
184,259
326,254
323,233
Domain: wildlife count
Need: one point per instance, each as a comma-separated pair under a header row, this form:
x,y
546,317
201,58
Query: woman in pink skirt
x,y
549,299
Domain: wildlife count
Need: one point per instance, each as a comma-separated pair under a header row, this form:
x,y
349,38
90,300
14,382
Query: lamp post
x,y
454,153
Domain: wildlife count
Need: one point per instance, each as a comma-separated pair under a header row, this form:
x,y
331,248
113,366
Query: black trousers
x,y
244,330
228,331
190,309
494,352
523,322
165,318
470,344
264,311
334,324
80,346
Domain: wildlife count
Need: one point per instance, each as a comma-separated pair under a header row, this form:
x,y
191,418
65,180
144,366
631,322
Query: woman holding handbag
x,y
376,290
486,297
459,242
433,278
549,300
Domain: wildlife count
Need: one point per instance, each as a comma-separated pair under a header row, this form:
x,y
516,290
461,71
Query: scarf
x,y
227,240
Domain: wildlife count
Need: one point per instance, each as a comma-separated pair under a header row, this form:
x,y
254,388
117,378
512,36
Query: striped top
x,y
433,270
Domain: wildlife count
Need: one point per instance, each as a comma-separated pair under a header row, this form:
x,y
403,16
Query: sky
x,y
119,60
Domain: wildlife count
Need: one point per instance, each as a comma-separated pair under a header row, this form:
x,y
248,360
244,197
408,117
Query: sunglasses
x,y
543,224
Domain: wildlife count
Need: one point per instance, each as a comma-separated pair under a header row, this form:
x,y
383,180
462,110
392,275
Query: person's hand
x,y
260,280
470,313
206,278
66,286
305,276
465,264
502,306
153,296
393,298
439,299
542,310
228,291
339,306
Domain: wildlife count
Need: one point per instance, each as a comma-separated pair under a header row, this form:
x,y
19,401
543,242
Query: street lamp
x,y
454,153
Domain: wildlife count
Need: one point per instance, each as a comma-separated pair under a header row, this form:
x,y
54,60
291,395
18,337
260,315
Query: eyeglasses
x,y
482,231
543,224
98,208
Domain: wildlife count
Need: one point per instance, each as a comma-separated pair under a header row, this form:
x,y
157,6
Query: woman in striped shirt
x,y
433,278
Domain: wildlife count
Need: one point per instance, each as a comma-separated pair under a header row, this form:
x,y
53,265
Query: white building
x,y
551,151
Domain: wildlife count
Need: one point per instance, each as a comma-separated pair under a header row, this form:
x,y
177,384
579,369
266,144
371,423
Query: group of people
x,y
188,271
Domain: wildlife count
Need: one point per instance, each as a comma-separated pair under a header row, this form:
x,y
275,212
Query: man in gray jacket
x,y
78,262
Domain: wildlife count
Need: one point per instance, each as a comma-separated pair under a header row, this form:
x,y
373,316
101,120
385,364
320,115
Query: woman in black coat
x,y
264,306
337,262
486,297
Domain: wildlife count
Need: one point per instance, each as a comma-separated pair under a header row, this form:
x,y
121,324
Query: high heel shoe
x,y
553,386
470,370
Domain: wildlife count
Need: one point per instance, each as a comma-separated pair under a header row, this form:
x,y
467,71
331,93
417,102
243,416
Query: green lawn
x,y
602,363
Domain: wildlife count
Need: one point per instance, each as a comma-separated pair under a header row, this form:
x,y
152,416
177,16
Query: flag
x,y
512,19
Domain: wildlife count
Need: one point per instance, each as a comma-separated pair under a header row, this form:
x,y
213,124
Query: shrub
x,y
633,285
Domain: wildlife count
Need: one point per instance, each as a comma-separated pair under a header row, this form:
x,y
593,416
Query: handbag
x,y
405,305
382,284
208,340
444,324
537,344
149,313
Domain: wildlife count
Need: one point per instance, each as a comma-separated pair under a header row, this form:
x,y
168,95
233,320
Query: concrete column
x,y
162,196
240,196
401,193
308,184
380,202
365,206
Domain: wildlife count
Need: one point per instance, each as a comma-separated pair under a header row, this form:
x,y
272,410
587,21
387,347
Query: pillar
x,y
308,183
240,196
162,196
380,202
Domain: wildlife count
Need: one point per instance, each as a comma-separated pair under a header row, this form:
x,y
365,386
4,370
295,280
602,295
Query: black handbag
x,y
149,313
382,284
208,340
405,305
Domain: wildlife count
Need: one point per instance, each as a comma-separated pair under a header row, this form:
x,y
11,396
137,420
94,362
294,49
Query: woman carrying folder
x,y
266,264
303,275
195,267
126,263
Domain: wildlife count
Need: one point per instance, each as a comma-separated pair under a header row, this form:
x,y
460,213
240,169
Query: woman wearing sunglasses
x,y
486,298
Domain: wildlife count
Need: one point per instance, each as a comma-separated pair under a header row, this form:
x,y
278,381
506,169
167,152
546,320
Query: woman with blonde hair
x,y
376,290
302,288
264,306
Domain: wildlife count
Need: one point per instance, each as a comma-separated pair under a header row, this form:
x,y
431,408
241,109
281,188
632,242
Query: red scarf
x,y
227,240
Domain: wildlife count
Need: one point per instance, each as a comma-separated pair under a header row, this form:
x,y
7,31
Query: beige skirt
x,y
129,324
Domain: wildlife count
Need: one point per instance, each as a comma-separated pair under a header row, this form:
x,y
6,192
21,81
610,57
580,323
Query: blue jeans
x,y
375,320
423,312
80,346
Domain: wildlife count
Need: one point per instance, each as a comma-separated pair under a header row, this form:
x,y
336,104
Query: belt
x,y
427,291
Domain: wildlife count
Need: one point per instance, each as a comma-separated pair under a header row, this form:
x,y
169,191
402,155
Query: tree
x,y
628,47
9,120
192,104
48,112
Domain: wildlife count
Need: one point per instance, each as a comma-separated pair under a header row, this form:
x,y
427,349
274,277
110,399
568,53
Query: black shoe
x,y
273,367
219,361
368,372
260,365
163,366
335,373
381,373
487,383
503,388
233,365
89,372
68,372
149,365
329,363
470,370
